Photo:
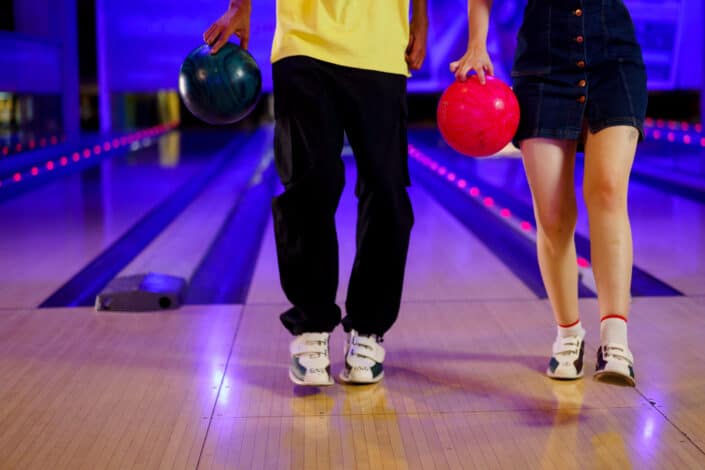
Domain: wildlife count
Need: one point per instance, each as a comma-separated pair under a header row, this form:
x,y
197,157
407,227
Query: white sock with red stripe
x,y
571,329
613,330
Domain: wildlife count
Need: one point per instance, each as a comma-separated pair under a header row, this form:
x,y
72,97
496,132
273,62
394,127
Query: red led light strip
x,y
674,131
98,149
31,144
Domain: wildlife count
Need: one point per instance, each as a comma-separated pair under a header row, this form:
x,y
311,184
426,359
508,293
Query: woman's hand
x,y
235,21
477,59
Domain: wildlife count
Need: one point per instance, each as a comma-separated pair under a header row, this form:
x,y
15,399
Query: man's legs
x,y
375,122
308,144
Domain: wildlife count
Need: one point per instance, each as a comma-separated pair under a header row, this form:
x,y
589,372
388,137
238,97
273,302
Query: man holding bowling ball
x,y
339,66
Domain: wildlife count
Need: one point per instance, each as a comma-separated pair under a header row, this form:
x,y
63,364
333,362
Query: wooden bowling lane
x,y
446,261
531,440
86,390
207,386
179,249
443,358
57,229
666,339
464,388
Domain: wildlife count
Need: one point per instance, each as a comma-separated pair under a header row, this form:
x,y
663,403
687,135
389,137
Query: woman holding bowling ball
x,y
580,80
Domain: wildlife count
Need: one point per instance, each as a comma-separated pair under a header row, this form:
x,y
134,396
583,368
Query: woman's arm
x,y
476,57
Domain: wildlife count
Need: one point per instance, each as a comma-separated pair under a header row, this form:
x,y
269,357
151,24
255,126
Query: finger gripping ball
x,y
220,88
478,120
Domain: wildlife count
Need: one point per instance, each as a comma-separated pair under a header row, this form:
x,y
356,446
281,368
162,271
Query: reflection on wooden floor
x,y
464,389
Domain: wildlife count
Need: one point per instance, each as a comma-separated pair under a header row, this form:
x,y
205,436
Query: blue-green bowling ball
x,y
220,88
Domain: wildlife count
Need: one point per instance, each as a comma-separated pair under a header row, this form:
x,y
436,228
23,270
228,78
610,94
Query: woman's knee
x,y
606,194
557,223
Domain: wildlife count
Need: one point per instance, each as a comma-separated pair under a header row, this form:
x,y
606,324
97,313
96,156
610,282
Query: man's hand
x,y
235,21
418,33
416,49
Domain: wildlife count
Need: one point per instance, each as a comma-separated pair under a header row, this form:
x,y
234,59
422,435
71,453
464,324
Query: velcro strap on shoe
x,y
303,346
298,349
368,348
314,364
619,352
568,345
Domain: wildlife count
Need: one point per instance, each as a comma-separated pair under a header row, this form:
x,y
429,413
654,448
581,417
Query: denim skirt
x,y
577,65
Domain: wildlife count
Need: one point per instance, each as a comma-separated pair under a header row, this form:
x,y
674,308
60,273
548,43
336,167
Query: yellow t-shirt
x,y
365,34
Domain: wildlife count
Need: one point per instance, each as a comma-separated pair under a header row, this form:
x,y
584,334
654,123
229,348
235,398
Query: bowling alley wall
x,y
146,40
138,46
42,97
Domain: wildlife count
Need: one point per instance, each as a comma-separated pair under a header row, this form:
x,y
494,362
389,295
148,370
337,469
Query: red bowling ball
x,y
478,120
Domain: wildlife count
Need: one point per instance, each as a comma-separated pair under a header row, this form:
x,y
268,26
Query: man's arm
x,y
418,32
235,21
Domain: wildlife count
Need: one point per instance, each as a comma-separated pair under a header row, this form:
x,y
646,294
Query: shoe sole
x,y
348,381
564,377
611,374
298,381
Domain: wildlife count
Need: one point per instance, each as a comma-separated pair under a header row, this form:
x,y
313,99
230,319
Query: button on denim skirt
x,y
577,65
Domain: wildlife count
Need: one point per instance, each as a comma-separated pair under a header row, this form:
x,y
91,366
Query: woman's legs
x,y
609,155
550,166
